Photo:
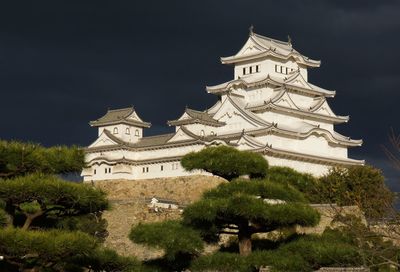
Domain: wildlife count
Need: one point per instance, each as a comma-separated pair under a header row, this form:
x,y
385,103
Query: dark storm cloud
x,y
63,63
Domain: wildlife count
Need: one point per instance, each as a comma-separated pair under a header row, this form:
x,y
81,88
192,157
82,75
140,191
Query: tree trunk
x,y
30,218
244,242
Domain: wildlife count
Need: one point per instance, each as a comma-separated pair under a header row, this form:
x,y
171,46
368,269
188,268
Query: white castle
x,y
269,107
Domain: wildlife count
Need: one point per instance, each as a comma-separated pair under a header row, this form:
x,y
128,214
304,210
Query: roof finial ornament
x,y
251,30
289,40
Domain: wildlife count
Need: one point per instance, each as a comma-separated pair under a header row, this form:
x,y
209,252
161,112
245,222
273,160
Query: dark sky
x,y
63,63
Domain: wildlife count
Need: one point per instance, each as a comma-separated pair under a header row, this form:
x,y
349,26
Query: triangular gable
x,y
180,135
134,116
324,109
247,142
286,101
214,108
232,113
250,48
298,80
103,140
184,116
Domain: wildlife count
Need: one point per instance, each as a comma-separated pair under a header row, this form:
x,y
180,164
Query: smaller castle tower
x,y
124,124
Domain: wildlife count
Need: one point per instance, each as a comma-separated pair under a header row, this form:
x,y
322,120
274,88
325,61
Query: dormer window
x,y
115,131
137,132
202,133
127,131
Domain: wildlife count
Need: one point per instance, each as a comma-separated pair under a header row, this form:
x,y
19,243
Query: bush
x,y
172,236
363,186
50,249
305,253
108,260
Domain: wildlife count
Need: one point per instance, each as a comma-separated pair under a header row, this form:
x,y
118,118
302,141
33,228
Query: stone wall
x,y
129,207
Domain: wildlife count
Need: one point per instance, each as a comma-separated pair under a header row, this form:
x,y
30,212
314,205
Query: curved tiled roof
x,y
274,152
201,117
309,112
249,82
274,48
119,116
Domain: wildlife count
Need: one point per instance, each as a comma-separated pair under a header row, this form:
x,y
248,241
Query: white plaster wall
x,y
131,137
198,128
304,167
291,120
313,145
301,100
255,95
170,169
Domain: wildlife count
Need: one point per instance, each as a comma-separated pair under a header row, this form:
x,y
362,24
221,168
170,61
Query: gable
x,y
180,135
134,116
324,109
236,117
248,143
250,48
103,140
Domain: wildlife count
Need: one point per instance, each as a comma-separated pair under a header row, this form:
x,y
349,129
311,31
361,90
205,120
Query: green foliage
x,y
213,216
245,203
171,236
18,158
363,186
44,249
305,183
261,188
306,253
30,195
107,260
223,262
48,195
4,219
226,162
91,224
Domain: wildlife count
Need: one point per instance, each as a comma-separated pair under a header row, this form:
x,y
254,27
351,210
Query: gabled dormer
x,y
123,123
261,55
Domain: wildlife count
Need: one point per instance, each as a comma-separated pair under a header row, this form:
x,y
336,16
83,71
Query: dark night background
x,y
63,63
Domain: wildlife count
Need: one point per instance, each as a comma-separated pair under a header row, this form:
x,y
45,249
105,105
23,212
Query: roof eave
x,y
103,124
299,58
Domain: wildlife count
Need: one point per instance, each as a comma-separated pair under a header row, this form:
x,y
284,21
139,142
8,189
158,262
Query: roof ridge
x,y
159,135
271,39
122,109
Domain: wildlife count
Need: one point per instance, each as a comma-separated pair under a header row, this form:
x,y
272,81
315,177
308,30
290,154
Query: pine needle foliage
x,y
52,249
171,236
40,195
248,206
17,158
226,162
